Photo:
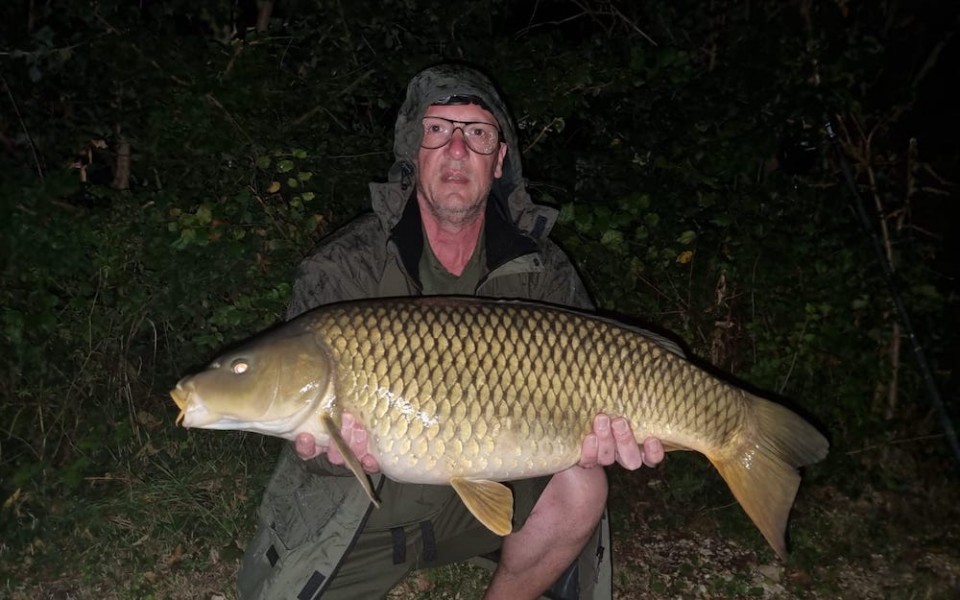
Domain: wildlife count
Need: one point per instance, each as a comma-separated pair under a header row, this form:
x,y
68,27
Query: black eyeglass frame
x,y
468,138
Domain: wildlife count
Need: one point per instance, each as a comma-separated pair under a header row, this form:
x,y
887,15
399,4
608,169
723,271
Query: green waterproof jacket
x,y
378,254
312,510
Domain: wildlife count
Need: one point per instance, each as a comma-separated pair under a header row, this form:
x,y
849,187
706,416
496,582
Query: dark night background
x,y
164,166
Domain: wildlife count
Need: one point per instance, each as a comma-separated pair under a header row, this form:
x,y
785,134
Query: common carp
x,y
472,392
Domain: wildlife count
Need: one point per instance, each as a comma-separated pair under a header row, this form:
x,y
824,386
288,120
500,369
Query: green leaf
x,y
612,238
204,215
928,291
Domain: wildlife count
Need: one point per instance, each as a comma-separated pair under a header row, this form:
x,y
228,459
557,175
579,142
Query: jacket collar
x,y
504,241
390,200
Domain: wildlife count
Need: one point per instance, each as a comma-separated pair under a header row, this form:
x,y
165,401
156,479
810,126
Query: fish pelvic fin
x,y
673,447
762,473
490,502
352,462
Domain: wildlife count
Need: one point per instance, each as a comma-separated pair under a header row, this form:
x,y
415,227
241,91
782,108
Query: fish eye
x,y
240,366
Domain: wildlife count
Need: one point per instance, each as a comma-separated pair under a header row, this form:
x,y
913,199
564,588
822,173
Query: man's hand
x,y
352,432
613,442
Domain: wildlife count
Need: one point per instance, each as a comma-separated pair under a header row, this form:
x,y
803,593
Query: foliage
x,y
165,165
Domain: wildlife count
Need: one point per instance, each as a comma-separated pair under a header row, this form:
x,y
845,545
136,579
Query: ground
x,y
175,529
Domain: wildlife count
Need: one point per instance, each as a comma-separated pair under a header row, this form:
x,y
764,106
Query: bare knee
x,y
572,503
583,493
554,534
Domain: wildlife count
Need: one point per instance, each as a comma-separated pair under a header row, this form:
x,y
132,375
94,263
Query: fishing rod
x,y
918,354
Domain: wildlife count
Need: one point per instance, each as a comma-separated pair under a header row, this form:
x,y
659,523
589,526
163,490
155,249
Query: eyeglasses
x,y
482,138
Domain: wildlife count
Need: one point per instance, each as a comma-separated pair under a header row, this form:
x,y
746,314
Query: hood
x,y
428,87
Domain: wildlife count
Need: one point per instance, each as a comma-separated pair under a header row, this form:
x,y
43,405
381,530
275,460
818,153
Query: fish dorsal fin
x,y
353,463
490,502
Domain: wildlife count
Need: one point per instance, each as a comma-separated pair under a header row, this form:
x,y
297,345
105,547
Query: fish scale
x,y
472,392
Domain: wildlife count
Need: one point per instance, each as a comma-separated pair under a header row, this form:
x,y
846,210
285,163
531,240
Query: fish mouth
x,y
182,398
195,413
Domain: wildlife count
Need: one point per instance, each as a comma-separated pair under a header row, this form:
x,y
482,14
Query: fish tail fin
x,y
762,472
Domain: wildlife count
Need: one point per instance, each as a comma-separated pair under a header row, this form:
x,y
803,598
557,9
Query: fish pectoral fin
x,y
353,463
490,502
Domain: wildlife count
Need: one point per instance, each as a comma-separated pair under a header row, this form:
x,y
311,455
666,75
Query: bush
x,y
166,166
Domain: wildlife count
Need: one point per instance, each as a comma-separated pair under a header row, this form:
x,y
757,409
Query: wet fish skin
x,y
471,392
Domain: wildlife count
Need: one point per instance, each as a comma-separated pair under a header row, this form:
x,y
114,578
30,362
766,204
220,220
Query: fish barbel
x,y
471,392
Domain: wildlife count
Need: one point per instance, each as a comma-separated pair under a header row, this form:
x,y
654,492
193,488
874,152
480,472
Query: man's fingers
x,y
305,446
333,455
370,464
606,445
614,441
652,452
358,442
353,433
628,451
357,438
349,435
588,451
362,451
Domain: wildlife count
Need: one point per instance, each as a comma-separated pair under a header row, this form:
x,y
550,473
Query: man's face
x,y
453,181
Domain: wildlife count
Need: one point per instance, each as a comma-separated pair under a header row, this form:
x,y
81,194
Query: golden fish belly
x,y
485,450
505,391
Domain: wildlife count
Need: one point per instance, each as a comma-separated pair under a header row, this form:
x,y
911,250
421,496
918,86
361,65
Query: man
x,y
453,218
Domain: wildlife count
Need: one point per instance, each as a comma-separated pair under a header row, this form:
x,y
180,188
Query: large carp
x,y
471,392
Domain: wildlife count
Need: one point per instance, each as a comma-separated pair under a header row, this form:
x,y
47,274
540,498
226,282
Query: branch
x,y
921,438
299,120
263,16
121,174
633,26
543,132
533,26
931,60
216,103
26,132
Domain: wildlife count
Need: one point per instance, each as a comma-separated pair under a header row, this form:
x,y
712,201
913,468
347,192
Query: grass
x,y
168,522
169,519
